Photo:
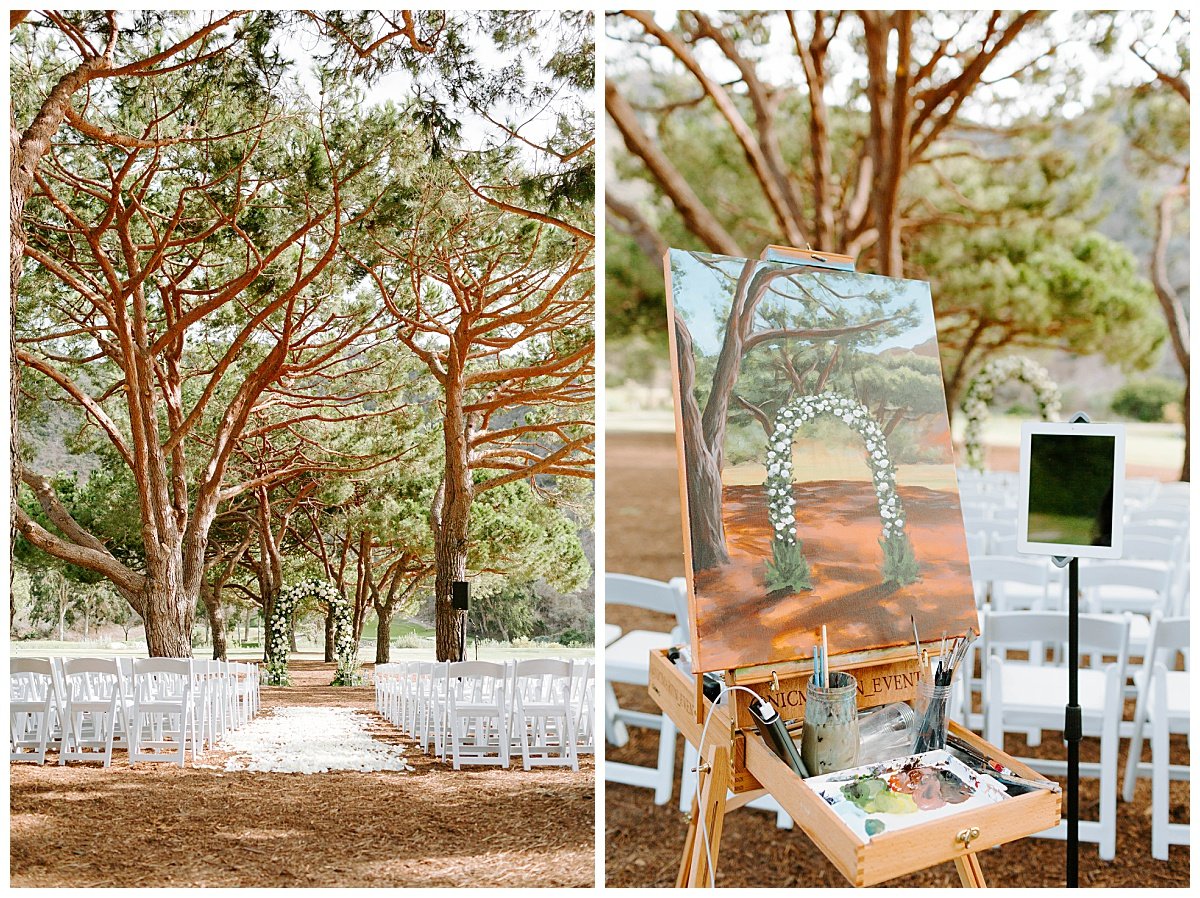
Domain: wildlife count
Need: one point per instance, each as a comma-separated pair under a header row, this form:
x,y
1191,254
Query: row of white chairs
x,y
1000,489
482,712
154,708
1028,694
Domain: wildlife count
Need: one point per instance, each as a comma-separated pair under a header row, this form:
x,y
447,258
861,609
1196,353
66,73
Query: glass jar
x,y
886,733
931,706
830,738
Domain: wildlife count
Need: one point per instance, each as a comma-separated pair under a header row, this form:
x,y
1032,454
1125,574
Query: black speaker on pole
x,y
460,595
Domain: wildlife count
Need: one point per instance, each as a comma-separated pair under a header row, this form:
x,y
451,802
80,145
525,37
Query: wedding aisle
x,y
310,740
421,825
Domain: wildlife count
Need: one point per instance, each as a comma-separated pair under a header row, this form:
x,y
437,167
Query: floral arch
x,y
788,568
343,636
982,389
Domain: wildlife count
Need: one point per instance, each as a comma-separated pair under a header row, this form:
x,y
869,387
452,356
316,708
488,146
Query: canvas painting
x,y
884,798
818,470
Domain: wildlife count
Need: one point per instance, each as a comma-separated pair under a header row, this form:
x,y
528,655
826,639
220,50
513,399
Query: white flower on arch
x,y
982,389
779,463
343,633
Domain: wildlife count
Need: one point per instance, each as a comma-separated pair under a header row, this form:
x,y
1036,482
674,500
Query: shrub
x,y
409,641
1146,398
788,568
577,637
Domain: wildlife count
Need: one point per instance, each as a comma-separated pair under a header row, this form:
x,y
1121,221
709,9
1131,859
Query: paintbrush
x,y
824,657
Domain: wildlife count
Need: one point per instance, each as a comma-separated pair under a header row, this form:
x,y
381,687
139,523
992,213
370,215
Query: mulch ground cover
x,y
161,825
644,842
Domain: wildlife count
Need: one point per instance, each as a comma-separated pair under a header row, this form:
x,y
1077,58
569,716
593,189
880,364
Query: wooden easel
x,y
735,759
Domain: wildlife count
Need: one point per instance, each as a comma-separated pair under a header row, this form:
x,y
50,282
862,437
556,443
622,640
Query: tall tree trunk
x,y
450,555
703,470
1174,310
330,636
383,634
216,621
169,617
292,647
451,513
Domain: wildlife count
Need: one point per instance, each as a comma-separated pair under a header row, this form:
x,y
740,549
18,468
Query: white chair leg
x,y
1135,746
665,781
614,730
523,723
1160,787
1110,740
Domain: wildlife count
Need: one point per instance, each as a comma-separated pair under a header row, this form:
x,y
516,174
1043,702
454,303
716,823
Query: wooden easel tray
x,y
753,766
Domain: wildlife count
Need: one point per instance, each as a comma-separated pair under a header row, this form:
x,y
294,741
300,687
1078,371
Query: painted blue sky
x,y
703,297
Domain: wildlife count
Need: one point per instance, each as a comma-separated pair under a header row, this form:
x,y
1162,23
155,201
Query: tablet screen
x,y
1071,481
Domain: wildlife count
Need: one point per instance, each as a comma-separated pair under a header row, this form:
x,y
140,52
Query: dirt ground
x,y
160,825
643,842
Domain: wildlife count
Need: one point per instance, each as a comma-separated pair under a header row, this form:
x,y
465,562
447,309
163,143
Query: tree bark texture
x,y
383,635
451,519
216,620
330,637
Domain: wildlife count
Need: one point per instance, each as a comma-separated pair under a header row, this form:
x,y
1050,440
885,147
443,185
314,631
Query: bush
x,y
410,641
577,637
1146,398
788,568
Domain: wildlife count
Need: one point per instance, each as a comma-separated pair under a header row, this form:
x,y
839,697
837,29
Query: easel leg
x,y
969,871
689,844
704,841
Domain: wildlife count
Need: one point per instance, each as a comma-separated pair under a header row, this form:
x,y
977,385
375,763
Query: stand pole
x,y
1073,725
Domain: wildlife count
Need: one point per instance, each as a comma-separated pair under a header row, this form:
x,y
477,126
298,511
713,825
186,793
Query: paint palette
x,y
905,792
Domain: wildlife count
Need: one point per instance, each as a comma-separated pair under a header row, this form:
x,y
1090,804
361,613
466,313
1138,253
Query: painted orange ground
x,y
838,521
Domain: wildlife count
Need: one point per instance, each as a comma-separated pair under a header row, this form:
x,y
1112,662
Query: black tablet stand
x,y
1073,722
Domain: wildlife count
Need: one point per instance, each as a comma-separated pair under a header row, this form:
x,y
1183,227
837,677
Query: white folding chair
x,y
627,660
207,726
164,713
1117,587
32,708
1164,701
430,728
1020,695
95,708
478,713
583,699
1002,583
544,718
387,678
243,691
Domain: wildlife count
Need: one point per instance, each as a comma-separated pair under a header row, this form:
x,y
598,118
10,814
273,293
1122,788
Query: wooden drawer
x,y
887,855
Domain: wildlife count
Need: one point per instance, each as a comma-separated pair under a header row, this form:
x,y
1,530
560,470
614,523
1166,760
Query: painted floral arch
x,y
343,633
788,568
982,389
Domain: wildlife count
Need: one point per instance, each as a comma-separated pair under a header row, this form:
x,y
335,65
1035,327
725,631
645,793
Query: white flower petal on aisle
x,y
310,740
